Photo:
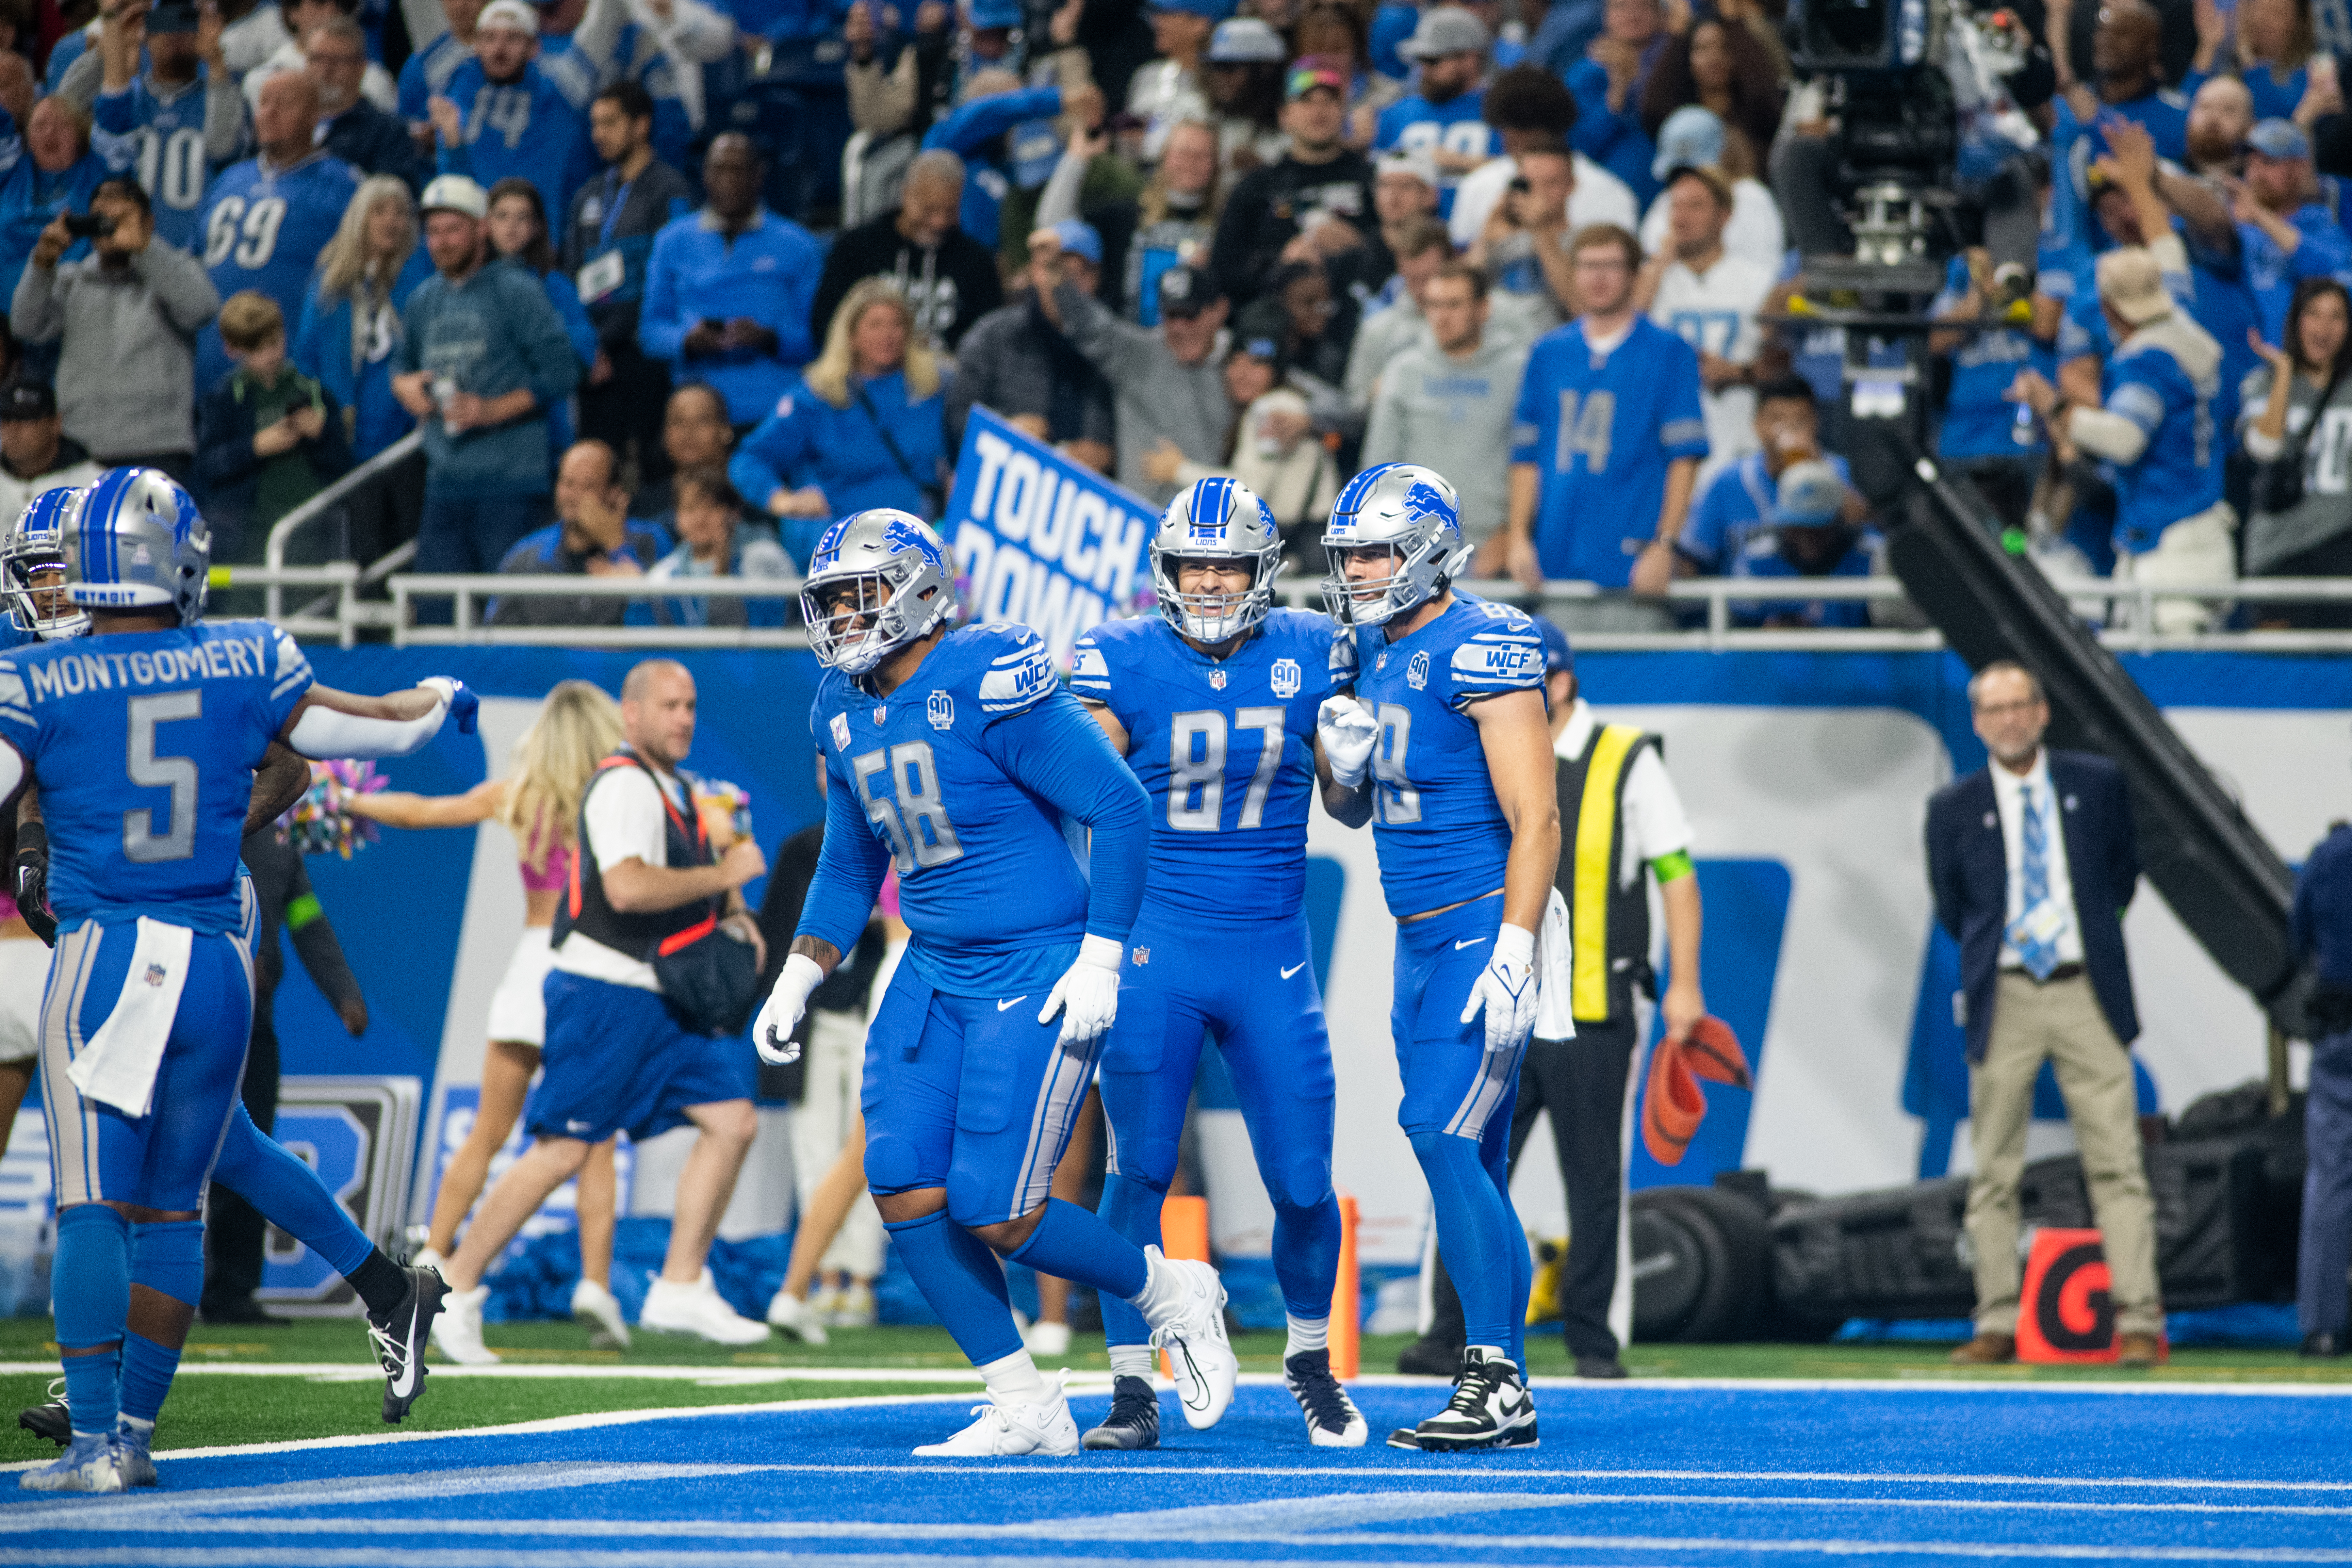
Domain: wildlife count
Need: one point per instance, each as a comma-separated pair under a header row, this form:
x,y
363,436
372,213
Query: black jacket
x,y
1263,213
950,286
375,142
228,473
1015,361
1967,867
281,888
651,200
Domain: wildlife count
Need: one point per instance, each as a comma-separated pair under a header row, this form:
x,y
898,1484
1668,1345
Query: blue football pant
x,y
1456,1109
1253,987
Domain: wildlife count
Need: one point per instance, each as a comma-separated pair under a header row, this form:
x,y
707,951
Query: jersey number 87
x,y
1208,773
916,823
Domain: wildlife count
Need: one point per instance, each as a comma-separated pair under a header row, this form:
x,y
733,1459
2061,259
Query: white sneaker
x,y
600,1309
795,1317
458,1331
856,1308
674,1308
1200,1356
1046,1339
825,1301
1007,1431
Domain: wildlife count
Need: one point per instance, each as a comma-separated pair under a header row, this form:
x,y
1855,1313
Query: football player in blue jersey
x,y
142,739
1213,702
1448,722
956,756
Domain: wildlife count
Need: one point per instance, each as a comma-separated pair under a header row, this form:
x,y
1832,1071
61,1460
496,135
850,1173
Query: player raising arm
x,y
1447,719
143,738
1213,702
955,756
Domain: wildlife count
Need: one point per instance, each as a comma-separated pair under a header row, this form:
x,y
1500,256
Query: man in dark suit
x,y
2033,860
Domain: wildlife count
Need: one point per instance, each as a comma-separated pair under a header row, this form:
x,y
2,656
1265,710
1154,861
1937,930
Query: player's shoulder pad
x,y
1495,647
1106,652
1005,668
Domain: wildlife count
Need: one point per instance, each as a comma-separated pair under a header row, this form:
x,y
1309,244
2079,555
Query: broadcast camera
x,y
1917,89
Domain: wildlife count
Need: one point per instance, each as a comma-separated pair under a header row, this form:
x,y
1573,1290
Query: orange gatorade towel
x,y
1675,1104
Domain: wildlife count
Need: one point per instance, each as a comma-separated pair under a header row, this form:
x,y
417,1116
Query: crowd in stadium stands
x,y
593,247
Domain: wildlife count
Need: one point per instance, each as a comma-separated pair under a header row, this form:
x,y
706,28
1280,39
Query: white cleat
x,y
674,1308
855,1309
796,1318
1046,1340
600,1309
1200,1357
1008,1431
458,1331
90,1464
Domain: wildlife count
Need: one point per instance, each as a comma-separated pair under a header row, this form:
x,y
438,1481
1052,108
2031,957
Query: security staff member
x,y
1618,816
2323,932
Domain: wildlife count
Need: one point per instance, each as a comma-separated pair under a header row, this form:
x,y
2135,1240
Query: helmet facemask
x,y
1215,617
36,606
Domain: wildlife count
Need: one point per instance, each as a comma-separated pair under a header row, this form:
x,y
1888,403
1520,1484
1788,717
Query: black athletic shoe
x,y
50,1420
1599,1366
1491,1408
1134,1418
1430,1357
400,1337
238,1311
1332,1418
1405,1438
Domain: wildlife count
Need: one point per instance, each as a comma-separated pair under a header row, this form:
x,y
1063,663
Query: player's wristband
x,y
1102,952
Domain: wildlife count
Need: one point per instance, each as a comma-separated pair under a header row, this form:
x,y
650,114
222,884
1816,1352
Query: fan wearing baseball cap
x,y
36,454
1321,186
1444,119
510,111
2156,428
2287,232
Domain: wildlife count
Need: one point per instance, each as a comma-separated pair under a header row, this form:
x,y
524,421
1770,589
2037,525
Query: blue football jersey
x,y
143,745
1457,125
1226,751
428,73
535,127
1441,834
263,228
2180,473
174,168
1602,430
986,881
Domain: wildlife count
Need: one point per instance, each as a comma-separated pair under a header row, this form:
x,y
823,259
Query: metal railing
x,y
339,611
319,506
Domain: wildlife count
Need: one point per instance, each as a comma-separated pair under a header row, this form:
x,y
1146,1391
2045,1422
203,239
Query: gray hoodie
x,y
1454,414
1159,396
126,377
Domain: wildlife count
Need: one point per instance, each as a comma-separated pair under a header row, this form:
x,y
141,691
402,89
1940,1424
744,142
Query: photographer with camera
x,y
127,318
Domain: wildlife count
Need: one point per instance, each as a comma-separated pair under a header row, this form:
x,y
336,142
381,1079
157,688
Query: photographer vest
x,y
1609,922
585,907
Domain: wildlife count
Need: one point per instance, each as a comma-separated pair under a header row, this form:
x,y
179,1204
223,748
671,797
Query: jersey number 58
x,y
916,824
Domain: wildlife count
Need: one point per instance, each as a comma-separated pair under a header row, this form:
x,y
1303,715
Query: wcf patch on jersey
x,y
1498,658
1017,680
1287,678
941,710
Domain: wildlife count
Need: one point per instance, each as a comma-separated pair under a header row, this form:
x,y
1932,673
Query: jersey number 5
x,y
1207,774
916,824
142,844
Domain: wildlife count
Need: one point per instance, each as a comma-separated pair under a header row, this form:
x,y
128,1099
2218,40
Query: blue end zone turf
x,y
1686,1474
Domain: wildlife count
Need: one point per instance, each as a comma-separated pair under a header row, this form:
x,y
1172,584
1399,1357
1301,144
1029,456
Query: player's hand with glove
x,y
1348,733
1087,995
462,704
772,1031
1508,990
28,882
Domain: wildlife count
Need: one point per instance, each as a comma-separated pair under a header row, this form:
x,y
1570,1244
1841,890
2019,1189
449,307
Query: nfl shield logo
x,y
1217,679
155,975
1416,674
941,709
881,715
1287,678
841,730
1142,956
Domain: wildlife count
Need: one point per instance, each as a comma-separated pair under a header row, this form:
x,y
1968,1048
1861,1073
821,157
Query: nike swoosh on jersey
x,y
1468,942
1007,1006
1294,969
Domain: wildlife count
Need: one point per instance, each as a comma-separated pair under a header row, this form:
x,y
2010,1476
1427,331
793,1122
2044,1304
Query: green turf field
x,y
221,1406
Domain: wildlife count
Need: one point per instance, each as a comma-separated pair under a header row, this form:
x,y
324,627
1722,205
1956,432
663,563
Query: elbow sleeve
x,y
321,732
2103,433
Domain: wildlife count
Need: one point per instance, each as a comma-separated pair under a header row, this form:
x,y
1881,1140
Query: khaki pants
x,y
2199,549
2062,1022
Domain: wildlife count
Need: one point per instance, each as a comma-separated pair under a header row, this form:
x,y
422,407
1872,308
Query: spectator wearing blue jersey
x,y
265,221
1737,505
1607,441
2285,233
661,47
516,232
1610,84
350,326
1808,533
425,76
351,126
511,110
183,113
864,426
714,540
482,358
994,103
1443,117
608,245
2127,55
1982,434
52,166
728,289
2156,428
123,319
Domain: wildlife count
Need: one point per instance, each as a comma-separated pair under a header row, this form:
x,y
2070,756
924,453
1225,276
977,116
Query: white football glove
x,y
1508,989
780,1014
1348,733
1087,995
